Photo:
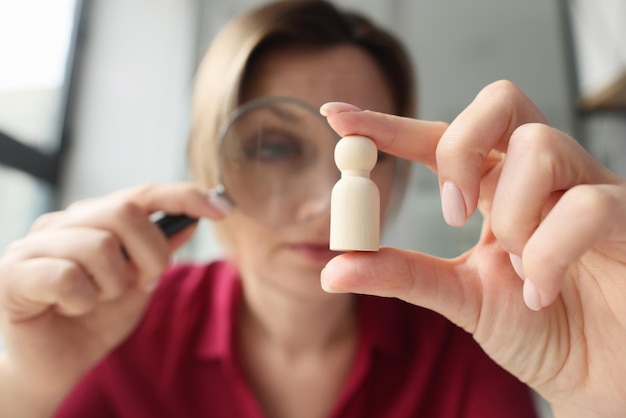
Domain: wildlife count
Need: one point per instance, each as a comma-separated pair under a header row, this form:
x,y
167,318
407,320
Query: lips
x,y
315,252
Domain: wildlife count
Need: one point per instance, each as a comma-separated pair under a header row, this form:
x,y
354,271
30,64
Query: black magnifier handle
x,y
171,224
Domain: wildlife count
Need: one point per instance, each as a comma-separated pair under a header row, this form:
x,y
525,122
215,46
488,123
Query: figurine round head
x,y
356,153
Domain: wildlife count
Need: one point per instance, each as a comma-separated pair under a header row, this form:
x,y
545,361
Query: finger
x,y
176,199
417,278
586,217
541,162
412,139
408,138
43,283
486,124
96,251
46,220
144,244
126,215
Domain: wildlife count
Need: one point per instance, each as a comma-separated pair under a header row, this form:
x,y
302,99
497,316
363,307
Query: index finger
x,y
175,199
400,136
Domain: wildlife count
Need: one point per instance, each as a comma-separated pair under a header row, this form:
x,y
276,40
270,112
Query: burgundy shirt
x,y
181,362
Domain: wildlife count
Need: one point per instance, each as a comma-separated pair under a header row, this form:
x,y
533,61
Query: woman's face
x,y
290,258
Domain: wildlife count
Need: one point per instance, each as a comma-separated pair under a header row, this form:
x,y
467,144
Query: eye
x,y
274,147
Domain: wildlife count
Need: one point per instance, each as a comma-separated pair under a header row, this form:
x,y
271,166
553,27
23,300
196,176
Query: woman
x,y
95,331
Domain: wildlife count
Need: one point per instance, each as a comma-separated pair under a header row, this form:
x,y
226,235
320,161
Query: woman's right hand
x,y
76,286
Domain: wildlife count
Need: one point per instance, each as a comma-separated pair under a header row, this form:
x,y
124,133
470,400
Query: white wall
x,y
132,105
600,36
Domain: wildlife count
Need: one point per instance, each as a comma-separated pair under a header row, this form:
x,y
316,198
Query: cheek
x,y
249,243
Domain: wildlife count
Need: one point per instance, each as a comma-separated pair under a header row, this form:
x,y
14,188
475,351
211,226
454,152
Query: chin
x,y
312,254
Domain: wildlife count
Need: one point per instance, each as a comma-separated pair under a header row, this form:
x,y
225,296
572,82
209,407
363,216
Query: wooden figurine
x,y
355,199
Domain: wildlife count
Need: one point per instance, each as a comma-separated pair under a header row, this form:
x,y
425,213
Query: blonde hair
x,y
221,77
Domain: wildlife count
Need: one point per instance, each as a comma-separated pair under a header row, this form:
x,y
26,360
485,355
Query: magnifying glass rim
x,y
230,120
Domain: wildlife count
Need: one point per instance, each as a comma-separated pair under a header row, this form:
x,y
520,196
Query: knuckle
x,y
533,135
5,275
129,211
502,89
80,204
507,229
106,243
68,277
449,147
507,96
112,289
16,246
44,221
535,140
151,271
156,268
145,189
453,151
152,265
110,279
595,200
72,288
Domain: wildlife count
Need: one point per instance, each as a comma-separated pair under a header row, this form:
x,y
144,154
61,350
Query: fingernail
x,y
337,107
219,200
516,262
453,205
531,296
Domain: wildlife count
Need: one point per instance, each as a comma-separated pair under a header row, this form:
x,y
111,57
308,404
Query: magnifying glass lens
x,y
276,161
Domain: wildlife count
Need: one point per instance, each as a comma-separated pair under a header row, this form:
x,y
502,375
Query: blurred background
x,y
94,93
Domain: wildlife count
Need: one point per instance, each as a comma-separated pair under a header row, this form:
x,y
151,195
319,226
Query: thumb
x,y
420,279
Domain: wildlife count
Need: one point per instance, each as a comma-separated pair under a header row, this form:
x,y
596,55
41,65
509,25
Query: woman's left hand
x,y
553,216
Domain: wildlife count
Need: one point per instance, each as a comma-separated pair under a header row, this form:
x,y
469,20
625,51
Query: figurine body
x,y
355,199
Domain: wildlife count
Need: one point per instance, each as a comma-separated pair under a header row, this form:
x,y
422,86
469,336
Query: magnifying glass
x,y
275,162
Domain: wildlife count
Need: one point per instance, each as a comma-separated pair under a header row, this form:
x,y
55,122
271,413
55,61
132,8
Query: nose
x,y
314,208
319,226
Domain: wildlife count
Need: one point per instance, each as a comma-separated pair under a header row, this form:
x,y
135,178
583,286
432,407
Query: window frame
x,y
46,166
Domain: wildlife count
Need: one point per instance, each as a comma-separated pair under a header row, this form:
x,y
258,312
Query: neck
x,y
296,351
296,324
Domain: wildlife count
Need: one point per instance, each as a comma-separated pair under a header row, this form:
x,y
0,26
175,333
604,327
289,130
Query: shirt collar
x,y
379,319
